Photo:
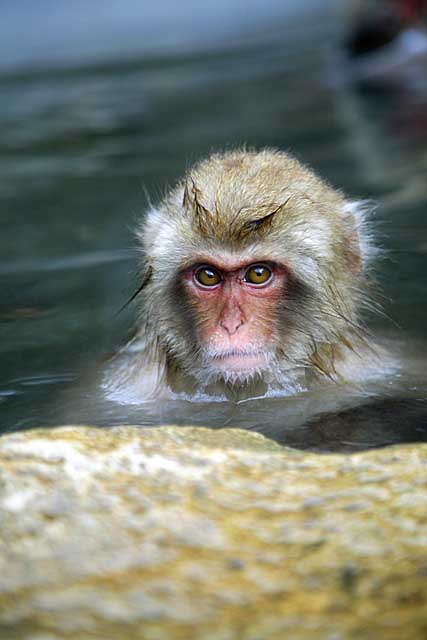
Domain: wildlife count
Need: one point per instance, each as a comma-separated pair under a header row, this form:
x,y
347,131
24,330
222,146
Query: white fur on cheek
x,y
316,237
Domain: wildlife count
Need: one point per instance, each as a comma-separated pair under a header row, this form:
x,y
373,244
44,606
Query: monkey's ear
x,y
361,248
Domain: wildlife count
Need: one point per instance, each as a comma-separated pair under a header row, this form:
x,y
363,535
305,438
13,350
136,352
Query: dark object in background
x,y
372,32
411,11
378,26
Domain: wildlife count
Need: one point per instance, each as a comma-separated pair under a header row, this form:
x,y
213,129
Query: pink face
x,y
236,305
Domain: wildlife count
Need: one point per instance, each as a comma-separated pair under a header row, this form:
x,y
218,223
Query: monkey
x,y
256,276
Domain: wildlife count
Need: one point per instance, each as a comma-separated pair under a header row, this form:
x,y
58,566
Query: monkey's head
x,y
253,267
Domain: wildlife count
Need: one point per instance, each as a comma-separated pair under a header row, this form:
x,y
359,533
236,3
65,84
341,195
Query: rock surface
x,y
186,533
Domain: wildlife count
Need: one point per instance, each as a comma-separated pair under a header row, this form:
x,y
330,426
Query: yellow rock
x,y
188,533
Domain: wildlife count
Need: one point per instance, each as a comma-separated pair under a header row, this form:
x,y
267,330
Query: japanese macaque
x,y
254,277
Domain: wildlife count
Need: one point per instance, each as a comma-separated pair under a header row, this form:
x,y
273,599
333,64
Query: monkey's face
x,y
234,306
256,269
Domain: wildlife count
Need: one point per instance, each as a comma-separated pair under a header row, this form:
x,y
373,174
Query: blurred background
x,y
104,102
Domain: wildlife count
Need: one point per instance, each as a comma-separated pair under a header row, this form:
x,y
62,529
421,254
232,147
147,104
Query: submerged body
x,y
255,274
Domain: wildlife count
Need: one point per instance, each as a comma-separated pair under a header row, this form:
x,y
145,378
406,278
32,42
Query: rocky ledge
x,y
186,533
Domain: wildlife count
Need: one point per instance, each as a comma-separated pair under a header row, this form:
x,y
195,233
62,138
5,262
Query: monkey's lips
x,y
238,361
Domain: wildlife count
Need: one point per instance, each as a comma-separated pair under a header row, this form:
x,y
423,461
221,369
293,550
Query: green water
x,y
82,143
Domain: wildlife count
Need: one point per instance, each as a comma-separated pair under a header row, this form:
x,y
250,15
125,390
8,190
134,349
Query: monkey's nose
x,y
231,324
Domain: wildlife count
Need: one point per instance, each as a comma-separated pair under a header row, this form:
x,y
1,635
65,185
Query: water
x,y
95,116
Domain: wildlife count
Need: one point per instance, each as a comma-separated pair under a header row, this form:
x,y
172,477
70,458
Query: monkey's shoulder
x,y
136,375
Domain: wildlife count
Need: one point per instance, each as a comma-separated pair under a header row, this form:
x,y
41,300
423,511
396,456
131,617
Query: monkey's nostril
x,y
231,325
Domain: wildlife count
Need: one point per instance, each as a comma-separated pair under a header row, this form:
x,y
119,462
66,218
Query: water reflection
x,y
340,419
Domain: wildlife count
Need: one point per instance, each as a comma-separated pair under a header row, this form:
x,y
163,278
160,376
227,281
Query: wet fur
x,y
253,204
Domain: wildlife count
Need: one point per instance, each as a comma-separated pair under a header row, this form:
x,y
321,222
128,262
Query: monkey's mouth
x,y
239,361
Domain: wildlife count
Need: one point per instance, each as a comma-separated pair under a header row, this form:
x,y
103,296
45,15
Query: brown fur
x,y
267,206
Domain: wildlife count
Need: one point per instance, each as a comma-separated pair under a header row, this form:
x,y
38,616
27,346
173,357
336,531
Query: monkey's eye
x,y
207,276
258,274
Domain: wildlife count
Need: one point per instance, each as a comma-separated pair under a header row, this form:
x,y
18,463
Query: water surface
x,y
120,109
